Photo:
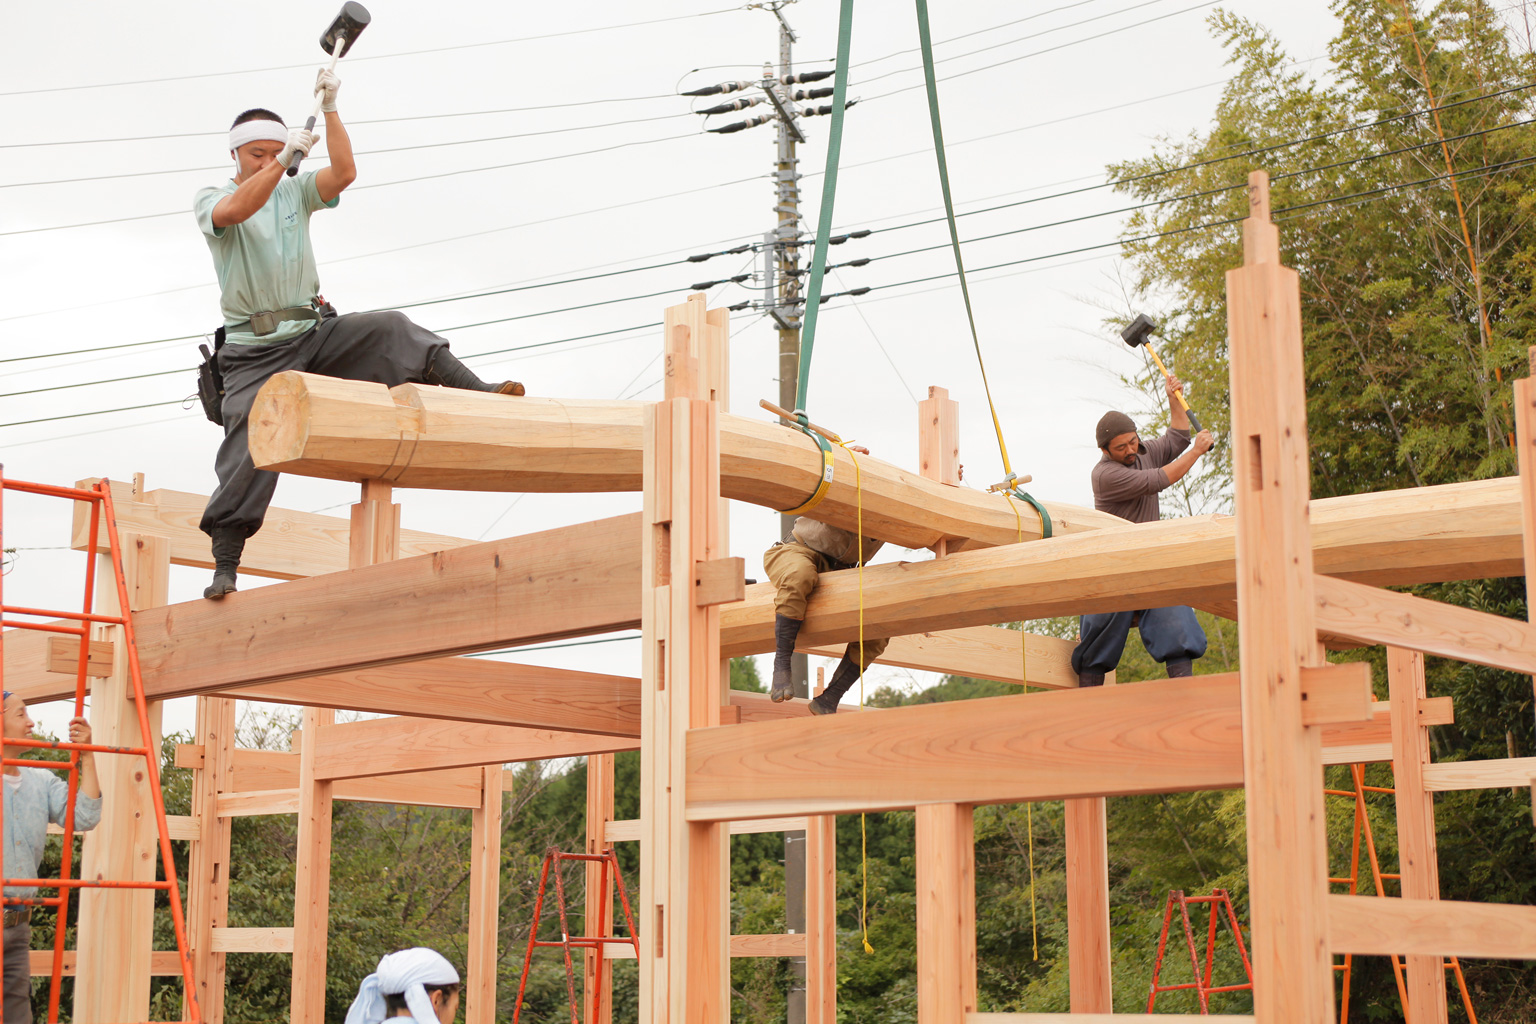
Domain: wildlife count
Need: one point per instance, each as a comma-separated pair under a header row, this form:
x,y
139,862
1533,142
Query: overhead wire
x,y
365,152
371,57
1345,201
1029,228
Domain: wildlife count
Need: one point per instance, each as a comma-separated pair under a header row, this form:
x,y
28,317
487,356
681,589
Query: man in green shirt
x,y
257,229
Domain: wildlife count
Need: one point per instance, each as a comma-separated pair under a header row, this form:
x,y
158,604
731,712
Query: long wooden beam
x,y
1159,737
1432,534
270,771
418,436
390,746
570,581
1378,616
1377,926
290,545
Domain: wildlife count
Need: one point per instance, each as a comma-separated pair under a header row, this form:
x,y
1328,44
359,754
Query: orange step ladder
x,y
567,942
1218,900
99,498
1362,831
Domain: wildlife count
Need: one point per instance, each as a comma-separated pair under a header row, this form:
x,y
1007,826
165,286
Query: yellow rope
x,y
1029,809
858,489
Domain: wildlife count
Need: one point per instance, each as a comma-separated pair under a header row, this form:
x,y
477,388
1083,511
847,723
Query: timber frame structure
x,y
345,633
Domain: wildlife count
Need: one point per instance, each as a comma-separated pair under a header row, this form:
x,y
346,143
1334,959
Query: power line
x,y
374,57
382,184
1048,49
366,152
1115,183
1019,39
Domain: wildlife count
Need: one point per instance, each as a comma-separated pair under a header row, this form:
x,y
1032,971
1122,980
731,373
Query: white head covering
x,y
256,131
407,972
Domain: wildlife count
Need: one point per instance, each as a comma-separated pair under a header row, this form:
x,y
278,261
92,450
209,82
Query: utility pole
x,y
783,300
783,258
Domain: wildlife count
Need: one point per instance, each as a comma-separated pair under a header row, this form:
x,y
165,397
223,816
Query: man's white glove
x,y
326,82
299,141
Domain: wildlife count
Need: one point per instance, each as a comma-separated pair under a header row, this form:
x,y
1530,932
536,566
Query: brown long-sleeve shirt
x,y
1130,492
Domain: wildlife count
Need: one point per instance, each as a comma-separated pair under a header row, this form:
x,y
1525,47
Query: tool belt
x,y
263,324
21,915
210,380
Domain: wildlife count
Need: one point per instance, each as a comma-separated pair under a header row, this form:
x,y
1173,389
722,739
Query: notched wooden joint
x,y
1436,711
730,714
190,755
64,656
1332,694
719,581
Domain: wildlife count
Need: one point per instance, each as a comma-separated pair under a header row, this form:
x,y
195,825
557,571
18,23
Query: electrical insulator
x,y
806,77
823,110
751,122
813,94
740,306
737,104
715,90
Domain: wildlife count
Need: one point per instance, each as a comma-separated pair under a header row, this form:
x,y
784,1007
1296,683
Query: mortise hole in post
x,y
1255,463
661,932
663,554
661,665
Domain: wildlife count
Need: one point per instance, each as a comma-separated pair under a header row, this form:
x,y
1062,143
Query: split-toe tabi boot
x,y
228,543
785,630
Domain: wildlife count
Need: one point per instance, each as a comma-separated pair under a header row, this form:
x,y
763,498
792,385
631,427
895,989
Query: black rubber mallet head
x,y
1137,333
349,24
336,40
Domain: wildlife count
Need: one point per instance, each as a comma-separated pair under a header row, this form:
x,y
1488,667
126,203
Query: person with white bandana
x,y
257,229
417,984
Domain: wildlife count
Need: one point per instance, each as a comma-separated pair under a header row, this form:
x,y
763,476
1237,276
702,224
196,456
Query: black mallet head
x,y
1137,331
349,24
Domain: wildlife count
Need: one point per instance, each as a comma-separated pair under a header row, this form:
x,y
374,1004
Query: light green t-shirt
x,y
265,262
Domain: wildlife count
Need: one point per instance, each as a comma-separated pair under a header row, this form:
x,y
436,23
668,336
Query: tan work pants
x,y
795,571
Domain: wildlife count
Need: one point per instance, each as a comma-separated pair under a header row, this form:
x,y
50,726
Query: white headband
x,y
407,973
256,131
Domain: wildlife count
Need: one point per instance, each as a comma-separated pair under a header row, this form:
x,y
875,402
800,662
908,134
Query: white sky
x,y
1053,369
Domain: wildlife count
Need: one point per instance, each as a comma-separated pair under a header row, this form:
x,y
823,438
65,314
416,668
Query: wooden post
x,y
1525,448
938,437
597,919
1088,947
946,913
208,864
1282,757
375,538
1420,868
938,444
484,900
116,927
821,918
683,912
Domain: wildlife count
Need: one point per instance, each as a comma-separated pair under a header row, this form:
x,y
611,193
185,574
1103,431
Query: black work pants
x,y
384,347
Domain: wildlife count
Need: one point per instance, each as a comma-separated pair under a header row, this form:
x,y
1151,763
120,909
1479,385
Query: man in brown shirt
x,y
1126,482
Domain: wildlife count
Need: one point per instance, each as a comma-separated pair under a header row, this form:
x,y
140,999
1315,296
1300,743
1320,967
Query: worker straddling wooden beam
x,y
1126,482
257,228
795,567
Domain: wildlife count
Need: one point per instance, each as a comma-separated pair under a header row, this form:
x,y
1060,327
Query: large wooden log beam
x,y
420,436
571,581
1158,737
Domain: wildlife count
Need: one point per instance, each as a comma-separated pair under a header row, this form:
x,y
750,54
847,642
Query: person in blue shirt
x,y
257,229
33,798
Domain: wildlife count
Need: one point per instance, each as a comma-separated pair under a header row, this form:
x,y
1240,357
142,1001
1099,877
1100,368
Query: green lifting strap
x,y
828,195
1045,517
949,213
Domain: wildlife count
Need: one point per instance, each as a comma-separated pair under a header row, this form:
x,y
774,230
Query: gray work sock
x,y
843,678
228,544
1180,668
445,370
785,630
